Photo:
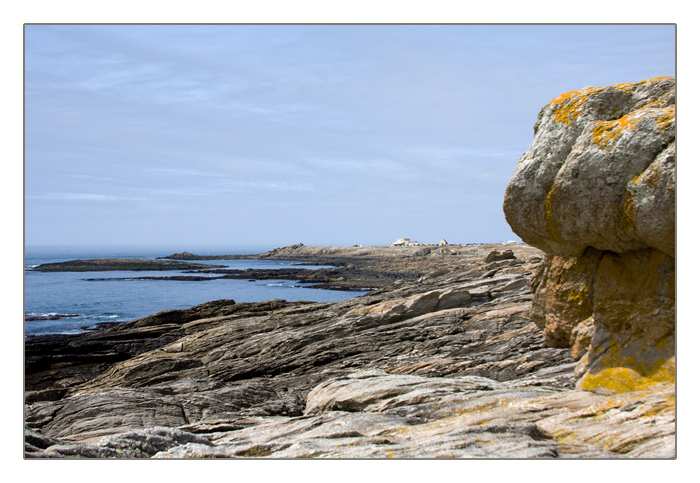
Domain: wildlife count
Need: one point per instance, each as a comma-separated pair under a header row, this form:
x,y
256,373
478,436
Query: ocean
x,y
47,294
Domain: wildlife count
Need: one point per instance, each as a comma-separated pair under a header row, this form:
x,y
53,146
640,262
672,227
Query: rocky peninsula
x,y
357,268
563,347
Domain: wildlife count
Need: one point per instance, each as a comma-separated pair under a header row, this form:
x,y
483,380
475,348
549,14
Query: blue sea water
x,y
48,293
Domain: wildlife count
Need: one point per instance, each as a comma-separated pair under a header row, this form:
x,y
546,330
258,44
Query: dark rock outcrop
x,y
105,264
600,172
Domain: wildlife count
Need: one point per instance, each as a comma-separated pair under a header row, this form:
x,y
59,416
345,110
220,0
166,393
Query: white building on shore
x,y
405,242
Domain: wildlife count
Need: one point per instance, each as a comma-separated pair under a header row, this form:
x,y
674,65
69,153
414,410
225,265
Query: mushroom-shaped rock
x,y
596,191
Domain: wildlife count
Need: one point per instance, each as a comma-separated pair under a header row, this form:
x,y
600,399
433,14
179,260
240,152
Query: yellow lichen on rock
x,y
615,312
550,220
579,296
591,425
665,116
626,379
606,132
633,366
567,107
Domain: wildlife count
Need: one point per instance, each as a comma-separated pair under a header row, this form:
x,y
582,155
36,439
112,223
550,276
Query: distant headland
x,y
129,264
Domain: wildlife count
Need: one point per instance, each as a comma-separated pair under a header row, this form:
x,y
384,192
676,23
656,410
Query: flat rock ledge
x,y
449,365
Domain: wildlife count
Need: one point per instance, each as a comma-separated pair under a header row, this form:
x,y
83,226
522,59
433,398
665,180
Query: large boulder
x,y
596,192
600,172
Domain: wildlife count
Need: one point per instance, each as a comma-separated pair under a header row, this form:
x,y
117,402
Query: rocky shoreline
x,y
448,365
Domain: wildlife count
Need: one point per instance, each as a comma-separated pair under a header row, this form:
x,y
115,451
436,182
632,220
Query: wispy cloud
x,y
90,177
181,172
83,197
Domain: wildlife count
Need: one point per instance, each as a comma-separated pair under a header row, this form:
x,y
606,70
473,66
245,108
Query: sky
x,y
280,134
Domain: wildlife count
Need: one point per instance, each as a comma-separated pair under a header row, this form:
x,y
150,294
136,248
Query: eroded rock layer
x,y
596,192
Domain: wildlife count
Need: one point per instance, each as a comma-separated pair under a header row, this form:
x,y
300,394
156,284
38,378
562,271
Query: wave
x,y
44,316
33,317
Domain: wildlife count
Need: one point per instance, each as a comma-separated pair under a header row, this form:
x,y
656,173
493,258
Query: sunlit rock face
x,y
596,191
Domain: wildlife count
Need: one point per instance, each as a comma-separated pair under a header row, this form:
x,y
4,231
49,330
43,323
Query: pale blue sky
x,y
278,134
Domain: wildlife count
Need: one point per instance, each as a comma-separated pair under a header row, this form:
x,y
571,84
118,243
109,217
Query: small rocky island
x,y
563,347
127,264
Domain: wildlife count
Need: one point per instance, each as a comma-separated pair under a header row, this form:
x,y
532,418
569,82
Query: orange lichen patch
x,y
636,179
665,117
567,107
650,177
627,86
606,132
